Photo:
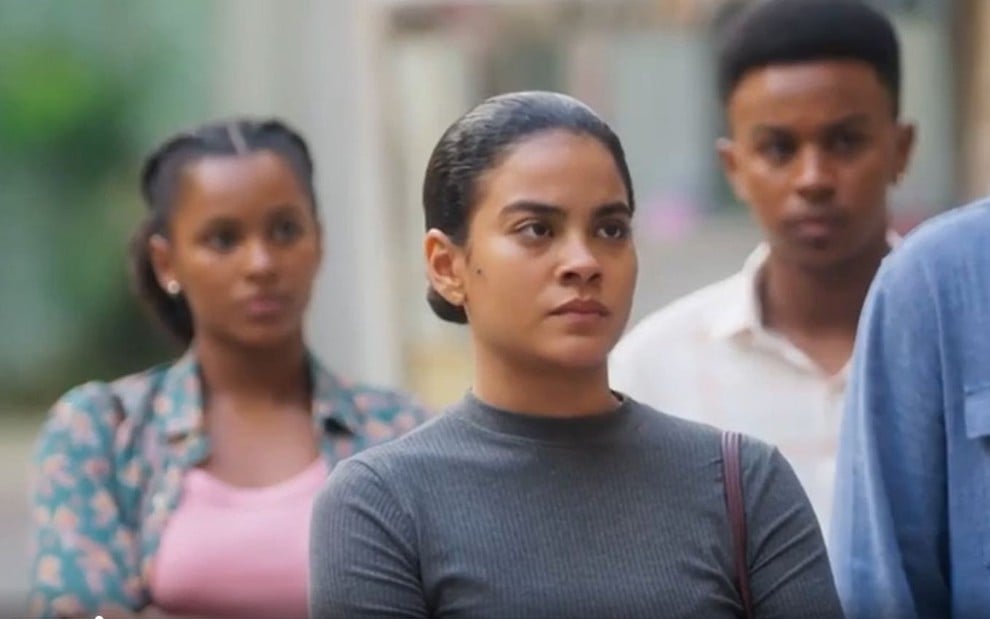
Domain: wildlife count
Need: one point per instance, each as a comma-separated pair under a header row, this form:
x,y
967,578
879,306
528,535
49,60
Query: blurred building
x,y
375,83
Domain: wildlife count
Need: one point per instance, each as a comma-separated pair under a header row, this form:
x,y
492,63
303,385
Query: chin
x,y
265,336
588,354
826,254
812,255
827,259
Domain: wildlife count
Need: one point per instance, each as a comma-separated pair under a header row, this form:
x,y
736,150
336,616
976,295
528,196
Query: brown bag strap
x,y
732,475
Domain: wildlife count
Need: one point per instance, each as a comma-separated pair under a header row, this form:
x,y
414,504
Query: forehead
x,y
555,167
808,92
226,182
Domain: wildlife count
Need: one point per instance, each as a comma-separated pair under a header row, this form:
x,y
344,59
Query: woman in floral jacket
x,y
186,490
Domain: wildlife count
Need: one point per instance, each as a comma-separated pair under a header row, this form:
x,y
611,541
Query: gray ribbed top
x,y
488,513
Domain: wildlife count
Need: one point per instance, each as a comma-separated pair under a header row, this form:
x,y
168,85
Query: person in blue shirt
x,y
911,526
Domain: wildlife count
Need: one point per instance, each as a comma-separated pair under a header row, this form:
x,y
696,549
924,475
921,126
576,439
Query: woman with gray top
x,y
543,493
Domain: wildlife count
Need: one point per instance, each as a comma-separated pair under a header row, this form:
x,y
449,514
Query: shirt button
x,y
159,501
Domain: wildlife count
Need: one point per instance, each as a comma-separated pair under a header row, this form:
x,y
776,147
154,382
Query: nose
x,y
815,180
579,265
260,259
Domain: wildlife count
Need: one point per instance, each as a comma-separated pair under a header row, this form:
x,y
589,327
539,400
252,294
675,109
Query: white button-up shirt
x,y
708,357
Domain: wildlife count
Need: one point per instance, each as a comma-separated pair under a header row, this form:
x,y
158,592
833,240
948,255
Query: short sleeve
x,y
788,565
363,556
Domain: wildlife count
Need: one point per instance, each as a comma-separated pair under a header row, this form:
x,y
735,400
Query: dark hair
x,y
476,142
791,31
159,182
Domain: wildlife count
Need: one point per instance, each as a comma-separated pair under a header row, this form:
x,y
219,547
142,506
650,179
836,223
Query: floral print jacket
x,y
108,473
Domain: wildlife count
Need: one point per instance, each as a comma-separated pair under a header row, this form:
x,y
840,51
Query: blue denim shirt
x,y
911,526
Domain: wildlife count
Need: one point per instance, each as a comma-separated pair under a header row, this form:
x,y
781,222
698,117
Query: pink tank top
x,y
237,552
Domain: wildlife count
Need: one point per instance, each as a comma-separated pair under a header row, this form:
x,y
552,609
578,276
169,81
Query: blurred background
x,y
87,87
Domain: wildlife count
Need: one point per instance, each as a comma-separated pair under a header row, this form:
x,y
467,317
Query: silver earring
x,y
173,288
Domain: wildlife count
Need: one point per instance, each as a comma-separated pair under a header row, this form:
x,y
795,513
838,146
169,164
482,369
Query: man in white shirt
x,y
811,91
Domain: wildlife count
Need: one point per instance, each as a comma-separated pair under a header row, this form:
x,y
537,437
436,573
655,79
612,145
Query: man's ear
x,y
319,242
906,138
727,155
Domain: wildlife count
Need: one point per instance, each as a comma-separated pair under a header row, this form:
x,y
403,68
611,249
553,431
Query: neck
x,y
271,374
795,298
536,389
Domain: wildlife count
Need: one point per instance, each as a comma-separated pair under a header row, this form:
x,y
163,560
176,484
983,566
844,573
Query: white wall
x,y
315,63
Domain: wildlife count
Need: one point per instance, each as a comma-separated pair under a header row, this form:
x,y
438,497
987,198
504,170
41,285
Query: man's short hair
x,y
772,32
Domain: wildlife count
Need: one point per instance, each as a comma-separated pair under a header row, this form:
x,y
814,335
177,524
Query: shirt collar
x,y
334,404
179,404
742,312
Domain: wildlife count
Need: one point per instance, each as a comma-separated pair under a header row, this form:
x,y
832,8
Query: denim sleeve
x,y
889,522
83,559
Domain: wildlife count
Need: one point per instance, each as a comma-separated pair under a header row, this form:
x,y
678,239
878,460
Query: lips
x,y
582,307
266,305
815,226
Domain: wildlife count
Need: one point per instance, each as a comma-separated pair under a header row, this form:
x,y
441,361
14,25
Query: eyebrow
x,y
228,220
552,210
285,208
216,223
850,120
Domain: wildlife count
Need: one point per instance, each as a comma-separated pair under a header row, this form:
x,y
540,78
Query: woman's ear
x,y
445,266
160,255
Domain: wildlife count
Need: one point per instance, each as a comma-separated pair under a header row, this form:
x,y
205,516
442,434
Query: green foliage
x,y
81,99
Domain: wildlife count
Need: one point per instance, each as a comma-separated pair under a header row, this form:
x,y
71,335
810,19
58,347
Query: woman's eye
x,y
286,230
614,230
222,240
535,230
